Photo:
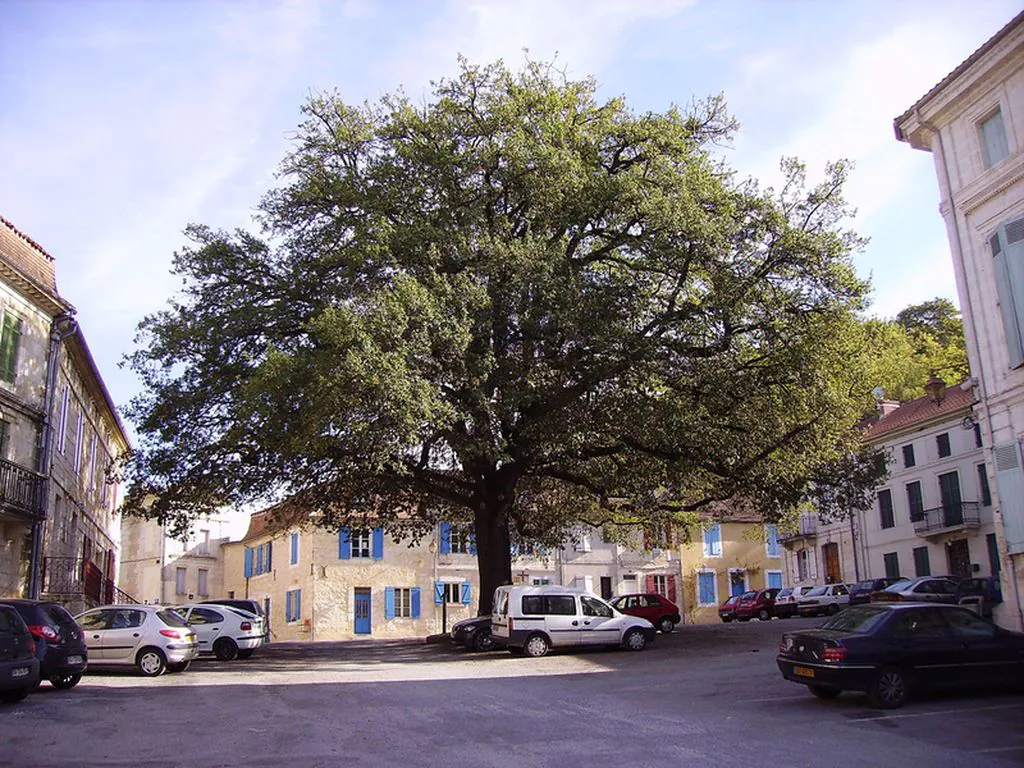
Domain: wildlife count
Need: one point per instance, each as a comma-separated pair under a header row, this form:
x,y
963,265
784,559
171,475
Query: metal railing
x,y
21,489
962,515
808,526
73,576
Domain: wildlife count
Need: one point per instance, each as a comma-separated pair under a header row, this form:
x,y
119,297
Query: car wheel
x,y
635,640
833,609
483,641
63,682
181,666
666,625
13,697
726,619
743,618
245,653
764,615
151,662
890,688
823,692
536,646
225,649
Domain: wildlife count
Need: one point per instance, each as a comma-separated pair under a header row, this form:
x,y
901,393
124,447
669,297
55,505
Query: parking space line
x,y
929,714
776,698
1001,749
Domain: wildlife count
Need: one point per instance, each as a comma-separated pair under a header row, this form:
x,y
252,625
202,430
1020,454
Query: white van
x,y
532,620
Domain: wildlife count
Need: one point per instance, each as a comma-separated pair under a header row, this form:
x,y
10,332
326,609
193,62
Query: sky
x,y
121,122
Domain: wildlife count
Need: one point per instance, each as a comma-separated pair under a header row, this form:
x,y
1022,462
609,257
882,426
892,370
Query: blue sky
x,y
121,122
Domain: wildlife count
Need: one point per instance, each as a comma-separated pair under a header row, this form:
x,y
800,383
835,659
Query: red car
x,y
657,609
758,603
727,610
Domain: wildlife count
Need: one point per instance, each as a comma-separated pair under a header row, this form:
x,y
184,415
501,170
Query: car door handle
x,y
575,623
135,634
95,637
587,623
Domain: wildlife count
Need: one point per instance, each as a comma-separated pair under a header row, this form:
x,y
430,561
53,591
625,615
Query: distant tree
x,y
514,305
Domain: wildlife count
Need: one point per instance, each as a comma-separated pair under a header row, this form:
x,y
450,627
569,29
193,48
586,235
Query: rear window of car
x,y
10,621
501,603
817,591
57,614
857,619
549,605
171,618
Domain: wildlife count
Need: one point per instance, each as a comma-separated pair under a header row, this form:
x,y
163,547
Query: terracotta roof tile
x,y
920,411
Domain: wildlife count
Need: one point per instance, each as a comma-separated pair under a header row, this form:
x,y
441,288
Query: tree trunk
x,y
493,550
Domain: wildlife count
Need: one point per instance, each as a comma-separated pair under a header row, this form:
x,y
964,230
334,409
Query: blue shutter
x,y
259,560
467,592
774,580
248,562
472,542
438,592
295,548
415,602
772,533
287,606
378,543
707,588
270,549
446,538
389,602
344,545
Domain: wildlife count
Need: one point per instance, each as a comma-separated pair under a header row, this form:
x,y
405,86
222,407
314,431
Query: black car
x,y
19,667
474,634
892,650
60,645
860,592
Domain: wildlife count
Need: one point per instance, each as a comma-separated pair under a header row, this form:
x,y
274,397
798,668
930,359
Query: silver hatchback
x,y
150,637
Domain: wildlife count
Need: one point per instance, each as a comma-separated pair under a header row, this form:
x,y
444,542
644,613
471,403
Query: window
x,y
965,625
179,580
204,542
994,146
453,592
203,588
919,625
540,582
660,585
459,536
915,502
361,544
921,565
258,559
771,541
707,589
713,540
79,439
5,437
908,456
591,606
293,605
986,493
10,340
885,508
943,443
549,605
62,424
1007,246
892,565
773,579
737,581
401,603
803,564
977,434
92,462
295,549
582,544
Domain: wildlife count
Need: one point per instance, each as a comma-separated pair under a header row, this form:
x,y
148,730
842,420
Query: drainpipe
x,y
853,544
974,330
61,327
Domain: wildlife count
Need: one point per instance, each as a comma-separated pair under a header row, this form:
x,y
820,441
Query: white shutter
x,y
1007,245
1010,485
812,563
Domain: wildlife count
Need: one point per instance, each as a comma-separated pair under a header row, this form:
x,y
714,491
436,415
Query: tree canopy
x,y
516,305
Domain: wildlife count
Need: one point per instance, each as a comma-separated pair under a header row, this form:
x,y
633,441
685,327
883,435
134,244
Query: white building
x,y
973,124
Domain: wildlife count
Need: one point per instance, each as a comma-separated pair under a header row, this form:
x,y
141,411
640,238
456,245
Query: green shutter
x,y
10,338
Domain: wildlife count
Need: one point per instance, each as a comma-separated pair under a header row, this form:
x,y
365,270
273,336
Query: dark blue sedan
x,y
891,650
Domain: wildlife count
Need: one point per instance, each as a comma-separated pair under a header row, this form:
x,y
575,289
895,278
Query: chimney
x,y
885,407
936,388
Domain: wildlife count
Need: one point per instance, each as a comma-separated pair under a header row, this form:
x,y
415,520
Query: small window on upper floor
x,y
992,132
908,456
943,445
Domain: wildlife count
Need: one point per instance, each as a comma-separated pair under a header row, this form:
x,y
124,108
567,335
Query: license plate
x,y
20,672
74,659
803,671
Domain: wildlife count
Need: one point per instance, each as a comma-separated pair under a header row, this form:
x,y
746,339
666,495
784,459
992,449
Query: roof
x,y
91,375
963,67
275,519
28,266
921,411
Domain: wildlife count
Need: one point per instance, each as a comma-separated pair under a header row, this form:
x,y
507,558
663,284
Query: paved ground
x,y
704,696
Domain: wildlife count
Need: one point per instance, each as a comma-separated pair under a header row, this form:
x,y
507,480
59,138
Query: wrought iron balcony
x,y
70,577
950,517
807,528
21,489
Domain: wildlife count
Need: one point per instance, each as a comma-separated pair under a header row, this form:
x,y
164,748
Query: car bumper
x,y
785,610
64,663
846,677
19,674
178,653
249,643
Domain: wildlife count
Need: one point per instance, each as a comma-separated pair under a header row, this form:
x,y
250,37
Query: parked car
x,y
924,589
474,634
825,599
252,606
533,619
60,646
986,588
757,604
893,650
657,609
19,667
152,638
727,610
224,631
860,592
785,601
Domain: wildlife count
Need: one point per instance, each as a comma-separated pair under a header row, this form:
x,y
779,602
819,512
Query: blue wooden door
x,y
362,611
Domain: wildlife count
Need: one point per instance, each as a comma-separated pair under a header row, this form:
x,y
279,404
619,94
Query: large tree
x,y
515,305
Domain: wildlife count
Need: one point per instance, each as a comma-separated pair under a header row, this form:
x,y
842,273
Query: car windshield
x,y
817,591
856,619
171,618
899,586
785,593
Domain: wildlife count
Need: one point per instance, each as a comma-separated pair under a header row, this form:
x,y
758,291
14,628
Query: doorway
x,y
362,611
959,555
833,572
952,506
606,587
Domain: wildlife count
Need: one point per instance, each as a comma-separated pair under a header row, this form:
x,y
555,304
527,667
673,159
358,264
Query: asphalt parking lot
x,y
705,695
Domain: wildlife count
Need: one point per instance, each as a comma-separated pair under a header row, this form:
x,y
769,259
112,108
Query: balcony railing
x,y
808,526
949,517
21,489
75,577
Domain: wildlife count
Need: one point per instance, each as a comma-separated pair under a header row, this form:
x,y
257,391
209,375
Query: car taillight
x,y
509,623
43,632
834,654
32,645
246,626
171,633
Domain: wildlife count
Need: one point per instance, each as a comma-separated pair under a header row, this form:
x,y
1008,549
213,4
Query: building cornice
x,y
989,185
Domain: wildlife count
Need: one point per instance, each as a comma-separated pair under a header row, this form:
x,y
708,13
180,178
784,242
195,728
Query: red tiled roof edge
x,y
920,411
10,225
